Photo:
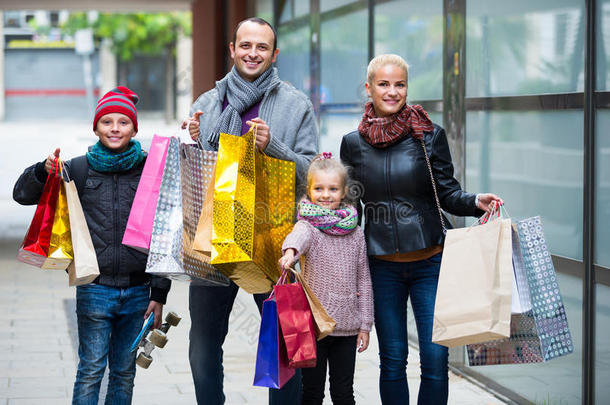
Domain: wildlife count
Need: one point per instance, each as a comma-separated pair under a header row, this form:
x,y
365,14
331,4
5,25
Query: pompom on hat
x,y
118,100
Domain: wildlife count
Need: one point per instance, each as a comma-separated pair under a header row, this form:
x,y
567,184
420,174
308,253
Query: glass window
x,y
414,30
602,192
333,125
293,58
326,5
603,45
524,47
344,58
533,160
264,9
602,343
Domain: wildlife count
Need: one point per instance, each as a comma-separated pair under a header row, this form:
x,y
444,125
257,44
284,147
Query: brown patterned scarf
x,y
382,132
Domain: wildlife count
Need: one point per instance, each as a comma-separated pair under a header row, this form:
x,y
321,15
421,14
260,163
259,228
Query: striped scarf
x,y
383,132
332,222
102,159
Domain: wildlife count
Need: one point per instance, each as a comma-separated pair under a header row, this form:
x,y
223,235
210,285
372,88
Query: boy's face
x,y
115,130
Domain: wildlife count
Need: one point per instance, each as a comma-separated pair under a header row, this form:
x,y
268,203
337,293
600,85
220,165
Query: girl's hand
x,y
48,165
193,124
486,201
362,341
287,260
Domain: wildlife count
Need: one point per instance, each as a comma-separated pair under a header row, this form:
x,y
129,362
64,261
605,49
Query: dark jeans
x,y
339,352
393,284
109,319
210,308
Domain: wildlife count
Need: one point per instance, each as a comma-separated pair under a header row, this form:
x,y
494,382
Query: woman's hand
x,y
157,309
362,341
193,124
287,260
48,165
487,201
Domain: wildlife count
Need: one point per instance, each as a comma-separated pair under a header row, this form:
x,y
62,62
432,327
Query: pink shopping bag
x,y
142,215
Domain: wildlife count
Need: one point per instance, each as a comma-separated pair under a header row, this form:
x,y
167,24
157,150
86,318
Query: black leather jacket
x,y
399,207
106,199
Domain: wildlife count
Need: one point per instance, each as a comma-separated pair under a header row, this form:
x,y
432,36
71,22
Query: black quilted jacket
x,y
106,199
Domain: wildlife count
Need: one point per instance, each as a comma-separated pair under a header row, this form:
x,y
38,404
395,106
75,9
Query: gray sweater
x,y
287,111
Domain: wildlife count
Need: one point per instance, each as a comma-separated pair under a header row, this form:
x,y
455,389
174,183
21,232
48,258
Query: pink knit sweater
x,y
336,268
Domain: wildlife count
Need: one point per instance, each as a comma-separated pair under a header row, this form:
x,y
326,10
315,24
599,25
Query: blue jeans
x,y
109,319
210,307
393,284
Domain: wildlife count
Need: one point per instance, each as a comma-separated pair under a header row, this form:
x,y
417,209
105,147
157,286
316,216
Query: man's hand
x,y
48,165
262,133
193,124
157,309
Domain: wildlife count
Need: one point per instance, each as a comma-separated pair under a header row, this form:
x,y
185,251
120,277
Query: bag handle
x,y
438,204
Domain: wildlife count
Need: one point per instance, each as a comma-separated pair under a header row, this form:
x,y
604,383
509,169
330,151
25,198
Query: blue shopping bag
x,y
272,369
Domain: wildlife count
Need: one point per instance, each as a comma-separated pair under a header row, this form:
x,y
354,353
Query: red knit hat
x,y
118,100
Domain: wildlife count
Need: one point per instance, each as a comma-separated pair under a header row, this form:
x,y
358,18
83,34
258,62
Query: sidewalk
x,y
39,348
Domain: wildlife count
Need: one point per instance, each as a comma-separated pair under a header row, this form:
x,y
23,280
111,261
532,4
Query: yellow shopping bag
x,y
253,211
60,248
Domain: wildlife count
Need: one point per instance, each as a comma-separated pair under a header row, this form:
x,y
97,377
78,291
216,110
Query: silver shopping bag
x,y
167,256
541,332
196,173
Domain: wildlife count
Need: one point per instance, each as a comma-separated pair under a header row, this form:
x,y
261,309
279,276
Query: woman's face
x,y
388,90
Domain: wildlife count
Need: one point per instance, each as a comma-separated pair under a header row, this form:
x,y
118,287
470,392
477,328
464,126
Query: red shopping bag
x,y
296,321
138,230
35,246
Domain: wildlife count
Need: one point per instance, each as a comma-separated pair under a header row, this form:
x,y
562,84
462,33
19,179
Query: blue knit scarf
x,y
102,159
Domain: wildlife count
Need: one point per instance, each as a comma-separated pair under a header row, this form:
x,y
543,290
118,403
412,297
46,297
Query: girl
x,y
336,268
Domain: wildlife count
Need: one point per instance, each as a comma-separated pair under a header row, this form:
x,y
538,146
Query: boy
x,y
110,309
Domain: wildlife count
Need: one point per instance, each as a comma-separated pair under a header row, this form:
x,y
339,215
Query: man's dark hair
x,y
260,21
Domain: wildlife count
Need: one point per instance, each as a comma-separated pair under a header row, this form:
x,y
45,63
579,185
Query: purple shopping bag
x,y
142,215
272,369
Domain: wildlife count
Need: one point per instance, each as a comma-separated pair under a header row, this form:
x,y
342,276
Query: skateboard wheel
x,y
158,338
172,318
143,360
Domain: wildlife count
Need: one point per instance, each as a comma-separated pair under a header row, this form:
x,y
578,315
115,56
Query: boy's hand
x,y
48,165
157,309
287,260
362,341
193,124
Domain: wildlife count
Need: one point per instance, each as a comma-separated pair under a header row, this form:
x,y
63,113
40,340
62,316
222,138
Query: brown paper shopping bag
x,y
324,323
473,298
84,269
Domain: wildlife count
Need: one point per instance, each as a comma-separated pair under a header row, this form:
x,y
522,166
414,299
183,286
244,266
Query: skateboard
x,y
148,339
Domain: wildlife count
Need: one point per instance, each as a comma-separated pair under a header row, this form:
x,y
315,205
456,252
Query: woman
x,y
394,154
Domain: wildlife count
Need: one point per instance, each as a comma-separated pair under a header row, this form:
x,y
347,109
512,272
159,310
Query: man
x,y
251,93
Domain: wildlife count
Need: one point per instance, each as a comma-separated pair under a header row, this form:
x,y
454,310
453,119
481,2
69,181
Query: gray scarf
x,y
241,95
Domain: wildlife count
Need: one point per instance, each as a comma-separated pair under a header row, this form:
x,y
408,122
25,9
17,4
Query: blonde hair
x,y
324,163
382,60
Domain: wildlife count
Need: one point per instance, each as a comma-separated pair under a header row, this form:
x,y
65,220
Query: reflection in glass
x,y
602,190
602,343
602,39
343,58
534,161
414,30
264,9
524,47
293,59
326,5
332,128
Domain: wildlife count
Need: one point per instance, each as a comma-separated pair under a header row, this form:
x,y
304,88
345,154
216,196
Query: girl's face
x,y
388,90
326,189
115,130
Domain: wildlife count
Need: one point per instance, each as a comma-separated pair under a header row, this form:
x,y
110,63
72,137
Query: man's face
x,y
252,51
